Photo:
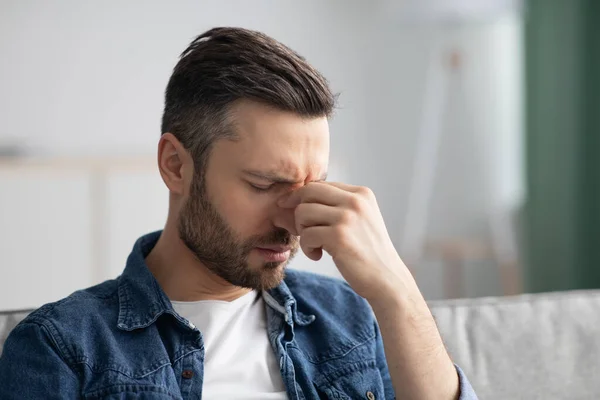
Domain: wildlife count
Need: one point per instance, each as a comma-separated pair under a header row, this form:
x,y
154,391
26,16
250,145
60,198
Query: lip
x,y
276,249
276,254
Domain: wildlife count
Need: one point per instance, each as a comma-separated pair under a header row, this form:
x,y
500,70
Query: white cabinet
x,y
69,224
136,203
45,235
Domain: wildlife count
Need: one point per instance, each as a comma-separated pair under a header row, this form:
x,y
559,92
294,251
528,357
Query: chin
x,y
272,277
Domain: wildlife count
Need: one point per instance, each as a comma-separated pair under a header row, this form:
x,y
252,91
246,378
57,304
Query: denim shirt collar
x,y
142,301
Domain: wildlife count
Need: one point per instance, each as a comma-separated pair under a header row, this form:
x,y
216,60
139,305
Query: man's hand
x,y
345,221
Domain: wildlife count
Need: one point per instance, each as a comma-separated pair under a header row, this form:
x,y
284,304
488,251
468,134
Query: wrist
x,y
398,289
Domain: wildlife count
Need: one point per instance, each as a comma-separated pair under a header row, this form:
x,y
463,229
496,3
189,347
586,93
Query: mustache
x,y
277,237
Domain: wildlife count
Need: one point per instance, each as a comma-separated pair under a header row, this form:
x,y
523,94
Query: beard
x,y
215,244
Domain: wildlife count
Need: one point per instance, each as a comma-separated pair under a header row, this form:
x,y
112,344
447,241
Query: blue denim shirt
x,y
123,340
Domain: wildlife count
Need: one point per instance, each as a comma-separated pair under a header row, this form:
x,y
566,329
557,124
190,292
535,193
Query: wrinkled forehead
x,y
274,141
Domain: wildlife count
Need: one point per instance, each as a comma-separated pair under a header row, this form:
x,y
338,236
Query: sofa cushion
x,y
542,346
8,320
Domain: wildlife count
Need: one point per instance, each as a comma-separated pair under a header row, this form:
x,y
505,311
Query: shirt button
x,y
187,374
370,396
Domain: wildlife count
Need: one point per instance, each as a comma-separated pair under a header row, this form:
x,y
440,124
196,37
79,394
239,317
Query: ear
x,y
175,164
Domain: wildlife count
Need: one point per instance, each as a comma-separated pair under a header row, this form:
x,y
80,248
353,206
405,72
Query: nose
x,y
284,218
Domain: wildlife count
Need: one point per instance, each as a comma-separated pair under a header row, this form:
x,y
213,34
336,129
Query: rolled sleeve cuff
x,y
466,390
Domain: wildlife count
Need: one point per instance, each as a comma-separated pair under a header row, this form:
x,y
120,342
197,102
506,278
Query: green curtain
x,y
562,212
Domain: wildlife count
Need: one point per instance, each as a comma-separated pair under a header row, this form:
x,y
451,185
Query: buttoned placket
x,y
189,366
280,328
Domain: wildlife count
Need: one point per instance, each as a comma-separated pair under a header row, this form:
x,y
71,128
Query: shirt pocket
x,y
358,380
154,382
132,392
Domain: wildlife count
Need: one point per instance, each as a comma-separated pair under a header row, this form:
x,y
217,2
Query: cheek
x,y
247,213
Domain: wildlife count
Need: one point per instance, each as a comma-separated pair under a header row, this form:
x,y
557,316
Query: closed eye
x,y
260,189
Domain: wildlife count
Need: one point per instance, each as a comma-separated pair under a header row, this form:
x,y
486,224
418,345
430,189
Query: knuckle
x,y
355,203
366,192
347,216
341,233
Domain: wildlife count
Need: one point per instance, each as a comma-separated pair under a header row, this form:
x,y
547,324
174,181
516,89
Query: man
x,y
205,308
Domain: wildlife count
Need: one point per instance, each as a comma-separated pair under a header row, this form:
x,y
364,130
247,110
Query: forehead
x,y
270,140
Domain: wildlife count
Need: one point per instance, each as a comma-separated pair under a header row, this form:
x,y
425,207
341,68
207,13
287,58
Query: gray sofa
x,y
543,346
8,320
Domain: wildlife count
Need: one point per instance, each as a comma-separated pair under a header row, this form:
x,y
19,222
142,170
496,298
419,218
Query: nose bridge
x,y
280,210
310,177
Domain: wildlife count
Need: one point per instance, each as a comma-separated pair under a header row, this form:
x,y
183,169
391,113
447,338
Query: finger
x,y
314,254
344,186
315,214
313,240
315,192
287,220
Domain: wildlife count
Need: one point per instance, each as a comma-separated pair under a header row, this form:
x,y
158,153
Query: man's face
x,y
231,220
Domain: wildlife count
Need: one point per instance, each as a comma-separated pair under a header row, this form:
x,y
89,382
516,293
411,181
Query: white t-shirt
x,y
239,362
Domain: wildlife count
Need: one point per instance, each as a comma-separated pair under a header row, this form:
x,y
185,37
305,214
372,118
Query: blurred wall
x,y
479,173
83,78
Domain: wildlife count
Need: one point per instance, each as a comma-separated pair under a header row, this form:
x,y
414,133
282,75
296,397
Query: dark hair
x,y
224,65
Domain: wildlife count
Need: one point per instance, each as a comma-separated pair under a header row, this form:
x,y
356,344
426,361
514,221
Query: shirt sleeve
x,y
466,390
382,365
31,367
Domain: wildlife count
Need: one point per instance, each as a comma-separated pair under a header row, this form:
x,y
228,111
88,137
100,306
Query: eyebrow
x,y
275,177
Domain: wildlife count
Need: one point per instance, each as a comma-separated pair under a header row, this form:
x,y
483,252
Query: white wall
x,y
87,78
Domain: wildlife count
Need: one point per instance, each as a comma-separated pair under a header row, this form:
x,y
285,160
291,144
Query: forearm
x,y
419,366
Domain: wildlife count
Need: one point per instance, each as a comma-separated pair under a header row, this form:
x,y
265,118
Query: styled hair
x,y
224,65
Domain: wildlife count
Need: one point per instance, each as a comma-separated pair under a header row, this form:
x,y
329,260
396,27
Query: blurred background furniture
x,y
537,346
69,222
534,346
455,253
480,228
